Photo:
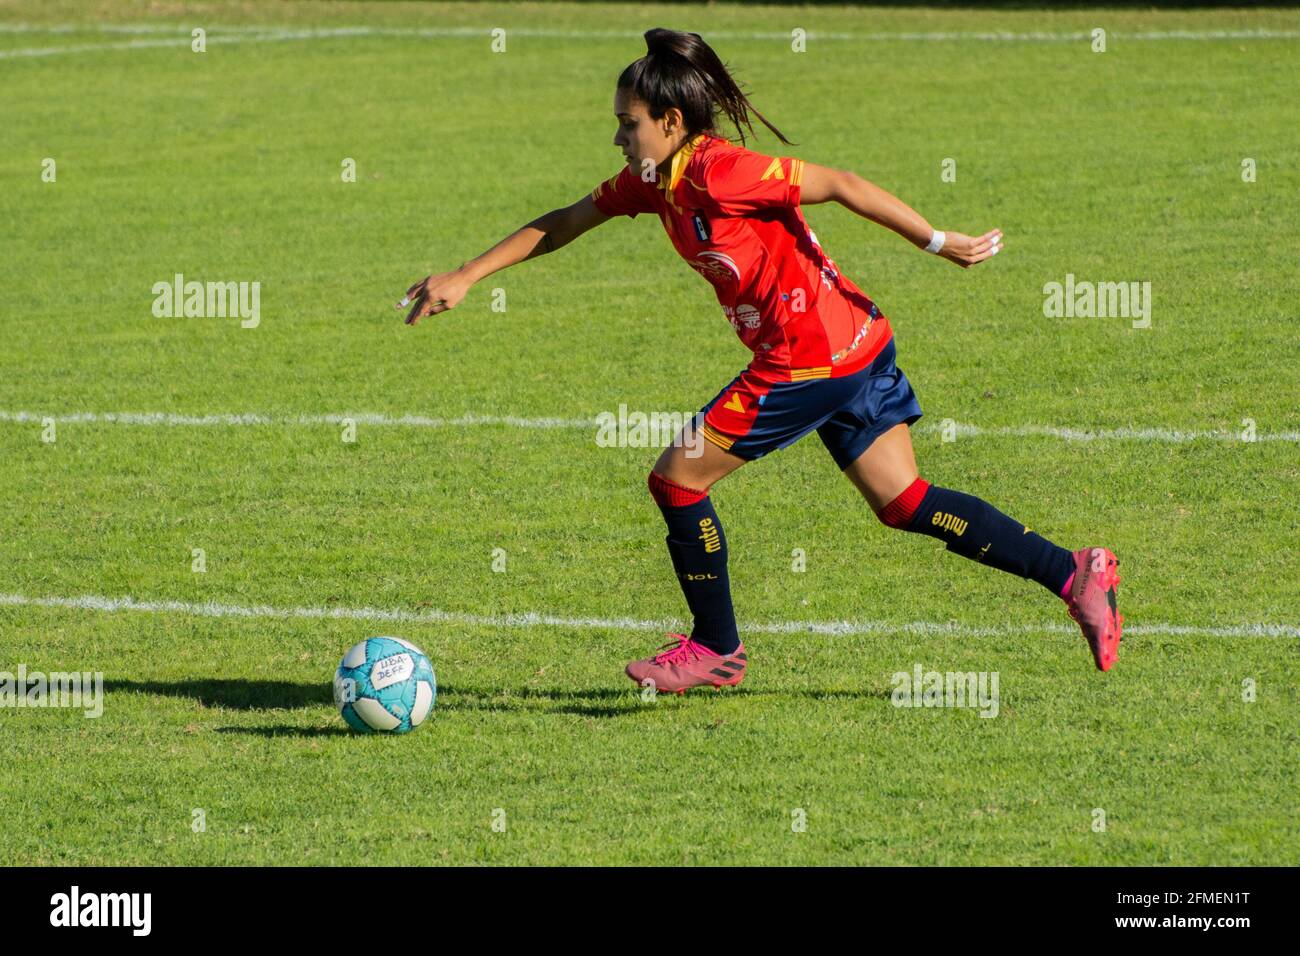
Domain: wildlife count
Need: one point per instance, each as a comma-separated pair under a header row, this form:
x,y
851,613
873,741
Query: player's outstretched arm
x,y
438,293
823,184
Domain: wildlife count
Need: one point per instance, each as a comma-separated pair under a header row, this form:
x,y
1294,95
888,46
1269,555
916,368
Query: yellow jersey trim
x,y
678,165
802,374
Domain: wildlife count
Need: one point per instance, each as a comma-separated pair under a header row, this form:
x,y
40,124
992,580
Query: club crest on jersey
x,y
701,227
715,266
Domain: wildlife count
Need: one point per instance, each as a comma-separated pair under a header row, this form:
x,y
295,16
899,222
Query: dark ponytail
x,y
681,70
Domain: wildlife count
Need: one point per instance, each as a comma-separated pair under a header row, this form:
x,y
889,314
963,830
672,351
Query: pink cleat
x,y
688,665
1091,599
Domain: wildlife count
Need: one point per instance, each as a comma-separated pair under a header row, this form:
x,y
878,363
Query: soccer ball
x,y
385,685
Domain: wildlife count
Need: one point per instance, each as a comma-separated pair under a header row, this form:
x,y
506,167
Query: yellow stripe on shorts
x,y
719,439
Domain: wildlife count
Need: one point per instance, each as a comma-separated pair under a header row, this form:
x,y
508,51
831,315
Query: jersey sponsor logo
x,y
949,522
743,316
735,404
748,316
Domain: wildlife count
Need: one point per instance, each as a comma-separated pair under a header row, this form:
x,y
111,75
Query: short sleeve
x,y
623,194
741,181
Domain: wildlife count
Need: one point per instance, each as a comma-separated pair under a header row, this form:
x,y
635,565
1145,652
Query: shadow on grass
x,y
290,731
231,694
597,702
620,702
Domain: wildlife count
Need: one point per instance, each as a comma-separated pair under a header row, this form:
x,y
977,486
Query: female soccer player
x,y
823,352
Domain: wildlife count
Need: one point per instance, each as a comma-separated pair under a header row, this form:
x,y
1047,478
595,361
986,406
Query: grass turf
x,y
225,166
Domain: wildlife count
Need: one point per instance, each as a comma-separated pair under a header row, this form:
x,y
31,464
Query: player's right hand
x,y
434,294
967,250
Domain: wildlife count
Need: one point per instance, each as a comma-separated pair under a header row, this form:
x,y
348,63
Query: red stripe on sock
x,y
898,513
672,495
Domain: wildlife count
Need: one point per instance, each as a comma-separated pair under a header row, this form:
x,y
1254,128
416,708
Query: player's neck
x,y
665,168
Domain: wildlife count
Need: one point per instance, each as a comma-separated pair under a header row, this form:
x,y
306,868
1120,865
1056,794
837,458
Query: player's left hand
x,y
968,250
433,295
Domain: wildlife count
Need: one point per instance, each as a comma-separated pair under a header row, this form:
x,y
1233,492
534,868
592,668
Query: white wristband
x,y
936,242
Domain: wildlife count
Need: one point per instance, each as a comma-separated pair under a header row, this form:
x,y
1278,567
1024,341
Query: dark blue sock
x,y
699,553
975,529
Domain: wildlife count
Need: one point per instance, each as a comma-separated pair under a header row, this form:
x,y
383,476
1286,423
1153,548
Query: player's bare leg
x,y
694,462
1087,580
885,469
712,655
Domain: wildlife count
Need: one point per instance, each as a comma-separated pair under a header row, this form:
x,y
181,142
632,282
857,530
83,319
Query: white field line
x,y
87,48
1167,435
218,35
131,28
234,420
217,41
1258,33
168,420
108,605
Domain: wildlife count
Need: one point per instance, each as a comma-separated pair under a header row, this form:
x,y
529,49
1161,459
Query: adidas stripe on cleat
x,y
685,664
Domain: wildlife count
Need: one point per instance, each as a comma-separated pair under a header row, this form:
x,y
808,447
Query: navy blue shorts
x,y
753,415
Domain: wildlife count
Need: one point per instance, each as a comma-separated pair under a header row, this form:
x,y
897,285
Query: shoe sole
x,y
1108,581
716,685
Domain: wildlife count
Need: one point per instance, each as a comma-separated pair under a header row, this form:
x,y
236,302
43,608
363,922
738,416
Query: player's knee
x,y
899,512
669,494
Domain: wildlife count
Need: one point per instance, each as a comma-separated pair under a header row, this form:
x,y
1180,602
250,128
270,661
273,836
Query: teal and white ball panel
x,y
386,685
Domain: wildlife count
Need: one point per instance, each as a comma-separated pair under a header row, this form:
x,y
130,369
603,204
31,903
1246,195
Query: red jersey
x,y
733,215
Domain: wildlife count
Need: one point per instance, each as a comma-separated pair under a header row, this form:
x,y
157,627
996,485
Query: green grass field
x,y
225,166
